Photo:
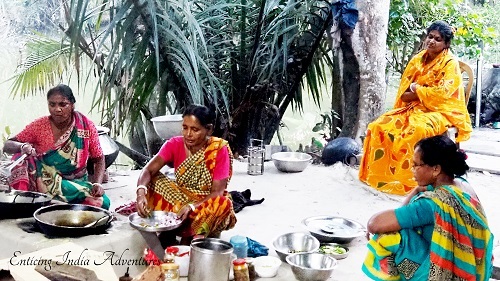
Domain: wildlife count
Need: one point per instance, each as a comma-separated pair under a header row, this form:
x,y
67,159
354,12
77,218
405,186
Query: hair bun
x,y
462,154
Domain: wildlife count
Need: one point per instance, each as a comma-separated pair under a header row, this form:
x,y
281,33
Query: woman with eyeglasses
x,y
440,233
430,99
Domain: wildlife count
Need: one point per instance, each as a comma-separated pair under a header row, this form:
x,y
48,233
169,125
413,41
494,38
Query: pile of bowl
x,y
300,250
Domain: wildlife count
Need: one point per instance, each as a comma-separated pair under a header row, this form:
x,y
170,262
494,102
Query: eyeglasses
x,y
414,166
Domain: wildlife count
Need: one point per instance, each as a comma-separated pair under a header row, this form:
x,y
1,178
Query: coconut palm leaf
x,y
45,64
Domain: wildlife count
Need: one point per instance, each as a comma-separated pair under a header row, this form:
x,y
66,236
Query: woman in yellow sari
x,y
203,167
430,99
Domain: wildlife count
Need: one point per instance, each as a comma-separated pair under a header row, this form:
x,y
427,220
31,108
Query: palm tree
x,y
244,58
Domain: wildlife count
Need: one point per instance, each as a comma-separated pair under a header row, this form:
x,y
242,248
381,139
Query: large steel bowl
x,y
291,162
311,266
295,242
168,126
334,229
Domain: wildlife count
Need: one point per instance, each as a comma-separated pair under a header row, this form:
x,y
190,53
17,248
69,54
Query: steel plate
x,y
333,229
155,222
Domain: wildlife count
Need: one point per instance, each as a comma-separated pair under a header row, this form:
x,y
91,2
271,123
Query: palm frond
x,y
43,67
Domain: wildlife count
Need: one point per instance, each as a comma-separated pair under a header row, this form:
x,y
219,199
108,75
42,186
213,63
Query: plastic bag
x,y
255,249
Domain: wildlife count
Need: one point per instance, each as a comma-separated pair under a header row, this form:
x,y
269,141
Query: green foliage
x,y
408,20
326,126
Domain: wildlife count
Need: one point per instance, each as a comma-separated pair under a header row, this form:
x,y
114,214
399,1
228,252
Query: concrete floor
x,y
289,199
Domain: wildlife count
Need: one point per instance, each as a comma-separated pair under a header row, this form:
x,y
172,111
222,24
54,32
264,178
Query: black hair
x,y
63,90
204,115
443,28
441,150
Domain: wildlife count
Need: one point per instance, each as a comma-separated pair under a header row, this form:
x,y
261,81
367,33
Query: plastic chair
x,y
452,132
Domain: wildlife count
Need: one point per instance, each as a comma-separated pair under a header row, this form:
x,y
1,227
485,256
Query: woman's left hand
x,y
184,212
97,190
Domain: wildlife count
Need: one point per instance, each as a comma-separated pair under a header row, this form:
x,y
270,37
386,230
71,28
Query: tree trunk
x,y
369,44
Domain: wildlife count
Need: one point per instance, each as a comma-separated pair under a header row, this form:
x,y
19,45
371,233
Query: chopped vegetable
x,y
327,249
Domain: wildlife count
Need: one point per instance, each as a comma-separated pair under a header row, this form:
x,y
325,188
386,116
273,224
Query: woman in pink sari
x,y
58,148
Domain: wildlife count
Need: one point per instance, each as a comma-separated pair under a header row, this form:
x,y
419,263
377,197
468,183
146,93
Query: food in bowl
x,y
266,266
334,250
311,266
294,242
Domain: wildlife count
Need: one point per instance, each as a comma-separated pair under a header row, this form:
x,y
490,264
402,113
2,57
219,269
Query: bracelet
x,y
22,145
143,187
96,183
413,90
191,206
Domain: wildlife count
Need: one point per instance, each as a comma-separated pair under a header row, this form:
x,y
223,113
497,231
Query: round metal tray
x,y
333,229
154,221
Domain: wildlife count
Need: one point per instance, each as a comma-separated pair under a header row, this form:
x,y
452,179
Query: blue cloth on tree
x,y
345,11
255,249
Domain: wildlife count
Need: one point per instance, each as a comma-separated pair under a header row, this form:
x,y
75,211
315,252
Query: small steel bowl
x,y
337,256
295,242
291,162
311,266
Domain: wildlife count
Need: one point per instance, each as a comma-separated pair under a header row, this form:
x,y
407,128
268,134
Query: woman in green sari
x,y
58,148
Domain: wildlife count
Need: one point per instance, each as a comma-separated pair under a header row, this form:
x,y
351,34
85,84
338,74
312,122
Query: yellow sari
x,y
389,142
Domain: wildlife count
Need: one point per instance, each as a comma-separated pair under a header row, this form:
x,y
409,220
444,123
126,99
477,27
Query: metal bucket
x,y
210,260
256,157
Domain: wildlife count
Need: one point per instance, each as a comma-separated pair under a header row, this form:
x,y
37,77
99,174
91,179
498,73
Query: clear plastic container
x,y
240,246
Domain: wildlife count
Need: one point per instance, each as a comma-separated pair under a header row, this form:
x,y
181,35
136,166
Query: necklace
x,y
191,151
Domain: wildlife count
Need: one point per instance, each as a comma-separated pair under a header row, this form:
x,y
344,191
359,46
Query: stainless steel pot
x,y
108,145
210,260
20,204
72,220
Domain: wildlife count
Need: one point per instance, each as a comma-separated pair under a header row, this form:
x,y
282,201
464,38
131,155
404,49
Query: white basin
x,y
168,126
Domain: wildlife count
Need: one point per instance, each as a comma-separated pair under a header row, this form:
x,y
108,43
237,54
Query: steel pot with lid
x,y
20,204
210,259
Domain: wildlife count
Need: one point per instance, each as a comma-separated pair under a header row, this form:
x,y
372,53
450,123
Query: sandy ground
x,y
318,190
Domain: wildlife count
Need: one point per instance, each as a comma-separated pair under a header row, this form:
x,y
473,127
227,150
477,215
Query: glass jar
x,y
240,269
251,269
170,254
171,271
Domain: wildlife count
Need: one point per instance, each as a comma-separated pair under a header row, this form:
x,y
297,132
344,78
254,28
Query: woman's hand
x,y
142,203
28,149
97,190
414,192
185,210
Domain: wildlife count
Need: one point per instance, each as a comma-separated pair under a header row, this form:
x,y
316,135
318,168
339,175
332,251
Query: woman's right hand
x,y
142,204
28,149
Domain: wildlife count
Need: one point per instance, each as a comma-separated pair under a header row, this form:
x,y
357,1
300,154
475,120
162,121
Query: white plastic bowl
x,y
168,126
266,266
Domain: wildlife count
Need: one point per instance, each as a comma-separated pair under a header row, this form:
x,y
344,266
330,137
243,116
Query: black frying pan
x,y
72,220
20,204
